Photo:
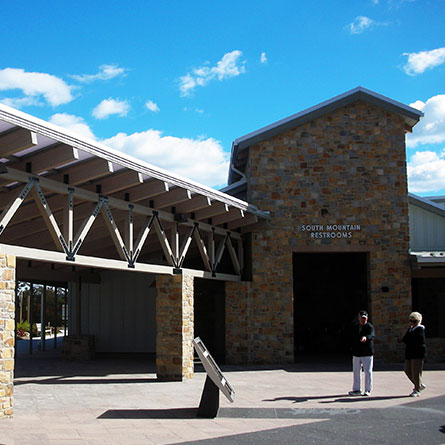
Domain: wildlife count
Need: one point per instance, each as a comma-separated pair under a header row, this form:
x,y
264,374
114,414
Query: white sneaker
x,y
415,394
422,387
367,393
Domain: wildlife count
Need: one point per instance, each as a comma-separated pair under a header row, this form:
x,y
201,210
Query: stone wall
x,y
347,167
174,327
7,320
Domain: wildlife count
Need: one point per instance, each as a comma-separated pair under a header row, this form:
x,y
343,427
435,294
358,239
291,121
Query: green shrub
x,y
22,328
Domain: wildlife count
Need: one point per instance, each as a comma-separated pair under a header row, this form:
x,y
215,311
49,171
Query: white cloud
x,y
362,24
202,160
426,172
263,57
228,66
111,106
53,89
151,106
431,128
106,72
419,62
73,123
19,102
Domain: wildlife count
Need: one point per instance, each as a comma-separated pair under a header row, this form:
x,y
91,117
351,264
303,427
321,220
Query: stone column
x,y
237,322
174,327
7,320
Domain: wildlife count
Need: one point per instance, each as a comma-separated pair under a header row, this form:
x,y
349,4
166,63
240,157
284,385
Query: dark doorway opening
x,y
429,299
210,316
329,290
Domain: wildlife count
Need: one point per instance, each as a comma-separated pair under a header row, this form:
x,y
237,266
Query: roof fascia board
x,y
18,118
426,204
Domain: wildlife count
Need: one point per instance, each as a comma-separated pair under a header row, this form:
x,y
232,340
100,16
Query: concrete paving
x,y
120,401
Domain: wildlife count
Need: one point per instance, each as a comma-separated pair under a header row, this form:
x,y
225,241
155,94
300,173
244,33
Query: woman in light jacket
x,y
414,340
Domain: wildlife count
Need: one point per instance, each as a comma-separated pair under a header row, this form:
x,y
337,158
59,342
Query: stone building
x,y
334,180
314,225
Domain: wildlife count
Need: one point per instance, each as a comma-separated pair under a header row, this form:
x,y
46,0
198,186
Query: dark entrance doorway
x,y
329,290
210,316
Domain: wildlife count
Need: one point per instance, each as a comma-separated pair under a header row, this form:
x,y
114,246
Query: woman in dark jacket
x,y
414,339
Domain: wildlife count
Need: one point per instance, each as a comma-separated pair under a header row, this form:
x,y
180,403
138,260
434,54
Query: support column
x,y
174,327
7,321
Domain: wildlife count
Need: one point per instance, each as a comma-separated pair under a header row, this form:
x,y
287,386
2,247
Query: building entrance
x,y
329,290
210,316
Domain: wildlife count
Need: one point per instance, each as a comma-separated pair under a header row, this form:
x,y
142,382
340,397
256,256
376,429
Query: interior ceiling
x,y
25,149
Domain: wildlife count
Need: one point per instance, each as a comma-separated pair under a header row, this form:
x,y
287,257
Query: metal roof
x,y
49,134
426,204
411,116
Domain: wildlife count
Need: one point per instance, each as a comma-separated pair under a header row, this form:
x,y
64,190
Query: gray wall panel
x,y
427,230
120,312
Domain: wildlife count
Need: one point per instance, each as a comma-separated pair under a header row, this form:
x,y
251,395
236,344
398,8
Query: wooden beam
x,y
86,195
114,232
202,250
47,159
197,202
248,220
233,256
147,190
85,171
172,198
16,140
121,180
81,260
41,274
48,217
209,212
232,214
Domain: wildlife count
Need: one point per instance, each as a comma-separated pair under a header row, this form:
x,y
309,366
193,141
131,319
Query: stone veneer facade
x,y
174,327
345,167
7,320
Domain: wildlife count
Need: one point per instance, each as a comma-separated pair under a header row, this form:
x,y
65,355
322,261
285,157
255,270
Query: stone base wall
x,y
79,347
259,314
174,327
7,321
237,322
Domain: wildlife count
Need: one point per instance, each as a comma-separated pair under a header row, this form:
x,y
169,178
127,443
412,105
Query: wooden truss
x,y
211,241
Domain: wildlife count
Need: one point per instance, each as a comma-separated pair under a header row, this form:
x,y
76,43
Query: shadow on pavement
x,y
173,413
336,398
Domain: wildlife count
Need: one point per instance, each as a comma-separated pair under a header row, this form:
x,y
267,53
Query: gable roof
x,y
410,115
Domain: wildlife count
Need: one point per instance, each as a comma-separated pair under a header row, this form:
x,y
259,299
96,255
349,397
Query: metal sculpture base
x,y
209,405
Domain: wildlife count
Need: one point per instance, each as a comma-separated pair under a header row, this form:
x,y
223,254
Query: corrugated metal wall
x,y
120,312
427,230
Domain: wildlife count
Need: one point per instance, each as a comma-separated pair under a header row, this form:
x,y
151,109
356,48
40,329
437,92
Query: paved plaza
x,y
120,401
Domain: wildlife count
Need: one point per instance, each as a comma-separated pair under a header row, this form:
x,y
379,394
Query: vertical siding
x,y
427,230
120,312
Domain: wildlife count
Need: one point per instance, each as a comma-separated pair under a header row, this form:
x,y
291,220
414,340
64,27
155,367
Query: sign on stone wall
x,y
330,231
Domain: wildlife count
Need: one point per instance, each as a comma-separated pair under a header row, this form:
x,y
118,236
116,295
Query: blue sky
x,y
175,82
